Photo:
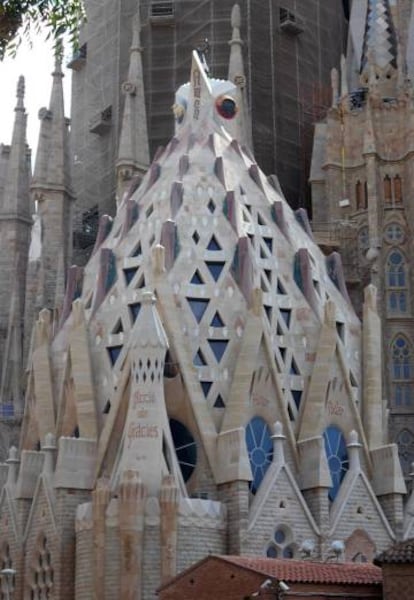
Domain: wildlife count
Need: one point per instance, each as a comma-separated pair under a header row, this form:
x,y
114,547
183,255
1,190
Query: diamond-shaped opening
x,y
196,237
215,268
211,206
198,306
217,321
206,386
268,311
199,360
149,211
219,403
134,310
107,407
119,328
129,274
213,244
297,397
197,279
218,347
286,314
269,243
294,370
114,352
137,250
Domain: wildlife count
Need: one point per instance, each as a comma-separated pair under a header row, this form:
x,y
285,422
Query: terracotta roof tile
x,y
401,552
306,571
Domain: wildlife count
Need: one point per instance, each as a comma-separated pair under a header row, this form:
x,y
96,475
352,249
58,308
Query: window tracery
x,y
337,456
260,450
281,546
396,281
402,371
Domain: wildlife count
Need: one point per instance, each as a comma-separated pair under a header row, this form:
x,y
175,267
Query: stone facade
x,y
203,385
362,191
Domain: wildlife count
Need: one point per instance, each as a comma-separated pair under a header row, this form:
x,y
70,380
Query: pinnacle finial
x,y
20,92
236,17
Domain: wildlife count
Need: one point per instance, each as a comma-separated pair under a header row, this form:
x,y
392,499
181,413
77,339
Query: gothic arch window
x,y
402,371
398,196
405,443
387,190
361,200
396,281
41,576
260,449
281,546
7,585
394,233
337,456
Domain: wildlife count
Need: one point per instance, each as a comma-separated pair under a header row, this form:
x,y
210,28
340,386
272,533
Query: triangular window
x,y
198,306
119,328
268,311
213,244
196,278
269,244
286,314
216,321
219,403
114,352
199,359
206,386
138,250
107,407
280,289
297,397
215,268
129,274
294,368
134,310
218,347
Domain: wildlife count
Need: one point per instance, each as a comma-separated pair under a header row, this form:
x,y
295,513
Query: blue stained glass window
x,y
260,449
213,245
271,552
337,455
129,274
198,306
218,347
402,366
134,310
215,268
185,448
396,269
114,352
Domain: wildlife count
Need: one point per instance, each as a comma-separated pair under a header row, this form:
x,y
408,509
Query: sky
x,y
36,65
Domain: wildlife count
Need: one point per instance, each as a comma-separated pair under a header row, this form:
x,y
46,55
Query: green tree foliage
x,y
19,18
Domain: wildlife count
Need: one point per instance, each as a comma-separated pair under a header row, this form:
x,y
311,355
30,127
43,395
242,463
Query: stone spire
x,y
133,154
380,46
237,75
16,197
51,190
52,159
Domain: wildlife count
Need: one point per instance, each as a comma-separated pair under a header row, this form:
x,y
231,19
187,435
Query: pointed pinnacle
x,y
236,17
20,93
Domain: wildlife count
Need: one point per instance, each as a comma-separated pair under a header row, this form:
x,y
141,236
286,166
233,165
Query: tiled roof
x,y
307,571
401,552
